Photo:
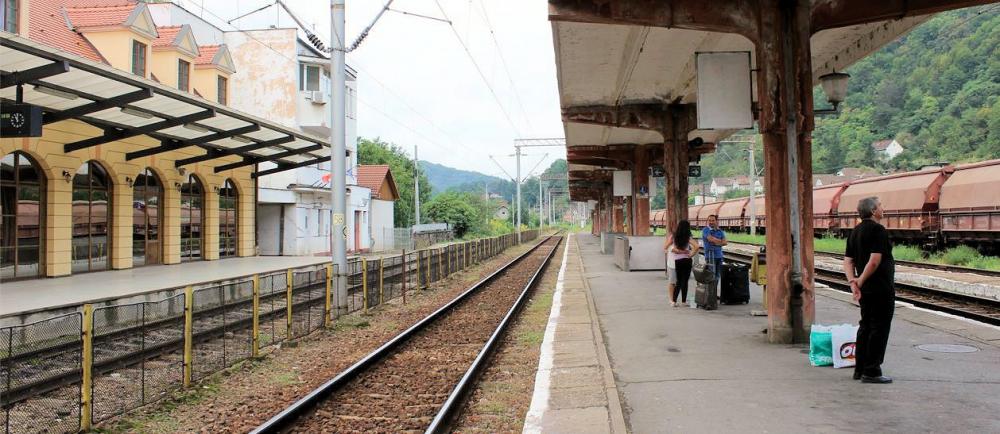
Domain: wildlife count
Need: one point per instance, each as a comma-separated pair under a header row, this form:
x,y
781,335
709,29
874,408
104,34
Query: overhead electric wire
x,y
503,61
479,70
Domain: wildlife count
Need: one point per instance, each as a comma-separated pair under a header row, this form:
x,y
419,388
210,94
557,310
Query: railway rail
x,y
418,380
967,306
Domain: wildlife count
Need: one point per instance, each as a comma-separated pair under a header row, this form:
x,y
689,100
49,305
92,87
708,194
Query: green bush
x,y
960,255
985,263
907,253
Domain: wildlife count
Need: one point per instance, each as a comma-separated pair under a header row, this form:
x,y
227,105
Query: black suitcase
x,y
705,294
735,283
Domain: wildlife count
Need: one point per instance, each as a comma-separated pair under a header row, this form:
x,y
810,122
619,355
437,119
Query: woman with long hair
x,y
680,248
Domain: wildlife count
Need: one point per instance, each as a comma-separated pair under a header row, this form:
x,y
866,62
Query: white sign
x,y
725,99
622,185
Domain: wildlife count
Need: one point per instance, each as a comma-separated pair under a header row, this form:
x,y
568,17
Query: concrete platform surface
x,y
688,370
26,296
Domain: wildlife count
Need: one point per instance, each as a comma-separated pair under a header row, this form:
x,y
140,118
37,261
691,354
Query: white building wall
x,y
382,224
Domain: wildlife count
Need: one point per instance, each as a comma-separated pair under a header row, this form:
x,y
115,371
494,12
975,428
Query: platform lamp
x,y
835,87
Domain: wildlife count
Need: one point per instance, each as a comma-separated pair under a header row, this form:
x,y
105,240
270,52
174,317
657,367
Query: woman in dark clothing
x,y
680,248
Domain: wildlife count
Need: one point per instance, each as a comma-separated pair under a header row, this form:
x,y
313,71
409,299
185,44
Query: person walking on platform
x,y
870,269
680,248
714,238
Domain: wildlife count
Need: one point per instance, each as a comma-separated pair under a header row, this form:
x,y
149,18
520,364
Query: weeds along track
x,y
414,381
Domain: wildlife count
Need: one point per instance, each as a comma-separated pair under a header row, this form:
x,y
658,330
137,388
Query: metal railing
x,y
66,372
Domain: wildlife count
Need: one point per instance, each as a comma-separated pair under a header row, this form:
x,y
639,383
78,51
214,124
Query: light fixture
x,y
243,139
129,181
215,188
177,185
67,176
55,92
137,113
196,127
835,87
182,171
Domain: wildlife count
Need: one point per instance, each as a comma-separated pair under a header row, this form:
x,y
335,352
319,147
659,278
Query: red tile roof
x,y
166,35
374,176
100,16
206,53
47,25
881,145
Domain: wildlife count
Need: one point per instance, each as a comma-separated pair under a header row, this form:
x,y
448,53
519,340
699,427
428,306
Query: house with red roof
x,y
378,179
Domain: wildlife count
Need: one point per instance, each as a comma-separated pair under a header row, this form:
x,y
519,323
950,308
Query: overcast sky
x,y
419,87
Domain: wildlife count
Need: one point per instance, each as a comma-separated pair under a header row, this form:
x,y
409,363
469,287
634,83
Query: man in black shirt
x,y
870,269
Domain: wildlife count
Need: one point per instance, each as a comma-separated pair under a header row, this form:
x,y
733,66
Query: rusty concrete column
x,y
676,155
618,214
784,84
640,183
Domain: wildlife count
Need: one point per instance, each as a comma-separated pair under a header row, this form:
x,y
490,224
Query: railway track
x,y
968,306
417,380
913,264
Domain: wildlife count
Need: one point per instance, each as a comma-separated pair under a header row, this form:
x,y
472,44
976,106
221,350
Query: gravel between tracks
x,y
403,392
239,399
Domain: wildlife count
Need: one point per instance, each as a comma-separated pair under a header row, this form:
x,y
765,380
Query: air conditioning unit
x,y
317,97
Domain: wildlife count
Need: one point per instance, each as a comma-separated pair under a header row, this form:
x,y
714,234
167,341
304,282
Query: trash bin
x,y
758,271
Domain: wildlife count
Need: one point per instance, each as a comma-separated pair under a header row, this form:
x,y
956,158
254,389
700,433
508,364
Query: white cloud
x,y
421,62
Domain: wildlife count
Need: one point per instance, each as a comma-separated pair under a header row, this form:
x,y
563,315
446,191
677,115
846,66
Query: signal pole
x,y
338,152
416,187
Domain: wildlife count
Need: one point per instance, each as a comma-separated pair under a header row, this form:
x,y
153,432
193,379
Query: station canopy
x,y
67,86
614,65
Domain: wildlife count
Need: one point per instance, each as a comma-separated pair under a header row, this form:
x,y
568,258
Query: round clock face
x,y
17,120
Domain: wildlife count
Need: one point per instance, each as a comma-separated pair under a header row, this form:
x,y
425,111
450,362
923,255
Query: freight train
x,y
937,207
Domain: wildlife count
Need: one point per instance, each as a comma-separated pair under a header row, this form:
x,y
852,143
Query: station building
x,y
140,159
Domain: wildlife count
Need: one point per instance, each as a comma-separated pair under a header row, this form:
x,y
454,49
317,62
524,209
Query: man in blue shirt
x,y
713,239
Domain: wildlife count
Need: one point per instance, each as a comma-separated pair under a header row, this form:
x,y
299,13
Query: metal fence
x,y
66,372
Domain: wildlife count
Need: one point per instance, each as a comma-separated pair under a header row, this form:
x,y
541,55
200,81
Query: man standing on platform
x,y
870,269
713,239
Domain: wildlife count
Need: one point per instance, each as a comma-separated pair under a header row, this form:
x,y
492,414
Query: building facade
x,y
140,160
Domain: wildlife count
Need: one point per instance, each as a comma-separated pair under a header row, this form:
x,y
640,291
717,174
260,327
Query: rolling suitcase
x,y
704,295
735,284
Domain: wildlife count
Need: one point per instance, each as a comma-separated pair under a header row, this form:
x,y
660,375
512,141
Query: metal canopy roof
x,y
67,86
614,65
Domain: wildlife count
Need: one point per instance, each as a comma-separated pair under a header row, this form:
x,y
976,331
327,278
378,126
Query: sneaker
x,y
881,379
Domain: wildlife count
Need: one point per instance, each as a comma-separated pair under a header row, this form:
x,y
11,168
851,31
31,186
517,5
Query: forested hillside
x,y
936,90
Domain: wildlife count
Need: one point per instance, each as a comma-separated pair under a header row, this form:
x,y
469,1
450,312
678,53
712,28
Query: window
x,y
22,217
192,200
10,10
223,84
308,77
228,200
91,218
146,192
138,58
183,75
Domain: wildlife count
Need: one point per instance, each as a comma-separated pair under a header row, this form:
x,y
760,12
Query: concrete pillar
x,y
640,200
784,86
676,155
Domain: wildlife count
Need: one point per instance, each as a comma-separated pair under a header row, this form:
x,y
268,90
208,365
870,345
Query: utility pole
x,y
517,183
416,186
753,188
338,152
540,224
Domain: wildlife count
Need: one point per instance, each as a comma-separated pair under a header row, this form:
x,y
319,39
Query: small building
x,y
857,172
378,179
887,149
821,179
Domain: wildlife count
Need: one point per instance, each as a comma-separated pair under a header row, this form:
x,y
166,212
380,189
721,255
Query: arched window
x,y
192,205
228,201
147,192
22,214
91,218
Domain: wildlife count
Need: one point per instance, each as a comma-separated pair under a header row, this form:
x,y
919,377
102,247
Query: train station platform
x,y
27,296
690,370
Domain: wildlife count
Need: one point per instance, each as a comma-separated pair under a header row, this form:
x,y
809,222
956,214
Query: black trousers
x,y
683,267
873,331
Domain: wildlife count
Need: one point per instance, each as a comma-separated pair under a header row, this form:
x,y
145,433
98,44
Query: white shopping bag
x,y
843,339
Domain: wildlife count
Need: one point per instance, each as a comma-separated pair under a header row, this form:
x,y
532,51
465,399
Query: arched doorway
x,y
22,217
147,194
192,215
228,234
91,218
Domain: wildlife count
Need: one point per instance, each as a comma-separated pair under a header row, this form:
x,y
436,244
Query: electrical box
x,y
725,91
621,183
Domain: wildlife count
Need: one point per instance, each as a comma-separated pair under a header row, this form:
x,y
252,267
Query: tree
x,y
377,151
455,209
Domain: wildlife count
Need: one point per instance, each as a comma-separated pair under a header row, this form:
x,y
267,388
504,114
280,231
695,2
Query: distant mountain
x,y
443,178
